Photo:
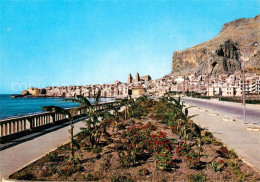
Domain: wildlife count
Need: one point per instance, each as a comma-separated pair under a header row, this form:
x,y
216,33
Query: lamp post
x,y
208,70
244,81
244,58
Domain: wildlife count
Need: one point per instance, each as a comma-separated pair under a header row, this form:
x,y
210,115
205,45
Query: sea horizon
x,y
14,107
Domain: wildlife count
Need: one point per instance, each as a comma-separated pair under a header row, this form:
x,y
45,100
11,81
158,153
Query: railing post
x,y
1,129
52,119
4,129
8,128
12,127
28,123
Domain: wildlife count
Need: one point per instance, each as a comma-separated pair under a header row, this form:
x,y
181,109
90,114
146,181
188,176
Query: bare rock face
x,y
224,60
237,40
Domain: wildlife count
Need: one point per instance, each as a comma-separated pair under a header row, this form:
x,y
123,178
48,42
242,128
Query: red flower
x,y
221,161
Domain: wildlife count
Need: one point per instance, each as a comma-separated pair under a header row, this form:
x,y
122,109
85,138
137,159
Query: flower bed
x,y
155,141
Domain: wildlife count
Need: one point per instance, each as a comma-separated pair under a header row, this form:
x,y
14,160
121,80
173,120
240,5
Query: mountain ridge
x,y
223,53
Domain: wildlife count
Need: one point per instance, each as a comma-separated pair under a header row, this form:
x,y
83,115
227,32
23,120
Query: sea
x,y
10,107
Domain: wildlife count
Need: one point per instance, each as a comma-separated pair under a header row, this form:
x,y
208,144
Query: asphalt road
x,y
234,110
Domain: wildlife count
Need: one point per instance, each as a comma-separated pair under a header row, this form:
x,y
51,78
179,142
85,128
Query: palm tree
x,y
93,129
125,102
83,101
197,131
116,116
182,115
186,121
107,116
59,110
96,97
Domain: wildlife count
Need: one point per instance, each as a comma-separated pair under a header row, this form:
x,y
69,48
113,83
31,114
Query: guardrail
x,y
16,127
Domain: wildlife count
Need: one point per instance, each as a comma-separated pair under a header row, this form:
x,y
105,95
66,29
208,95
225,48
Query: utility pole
x,y
244,91
183,86
220,91
191,87
245,51
208,71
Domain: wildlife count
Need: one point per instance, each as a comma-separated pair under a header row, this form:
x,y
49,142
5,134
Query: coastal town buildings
x,y
215,86
138,91
33,91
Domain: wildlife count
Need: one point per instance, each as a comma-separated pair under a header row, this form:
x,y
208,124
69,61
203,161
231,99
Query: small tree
x,y
106,119
197,131
96,97
127,103
96,125
116,116
66,113
182,114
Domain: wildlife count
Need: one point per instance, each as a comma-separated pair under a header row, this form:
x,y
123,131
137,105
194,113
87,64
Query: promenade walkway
x,y
18,154
231,132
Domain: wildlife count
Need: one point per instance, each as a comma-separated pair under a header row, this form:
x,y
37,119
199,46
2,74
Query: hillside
x,y
224,53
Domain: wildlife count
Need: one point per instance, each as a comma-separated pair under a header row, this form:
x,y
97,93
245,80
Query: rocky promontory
x,y
224,53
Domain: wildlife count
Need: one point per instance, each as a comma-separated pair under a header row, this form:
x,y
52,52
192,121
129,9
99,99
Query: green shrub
x,y
165,160
224,152
115,177
23,175
232,154
216,142
70,168
200,177
121,126
98,149
143,172
242,176
235,165
91,177
51,157
53,169
216,166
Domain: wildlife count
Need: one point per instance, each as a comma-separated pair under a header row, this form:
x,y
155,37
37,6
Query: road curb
x,y
253,106
253,129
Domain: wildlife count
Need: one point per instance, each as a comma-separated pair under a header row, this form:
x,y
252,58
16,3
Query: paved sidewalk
x,y
19,156
232,133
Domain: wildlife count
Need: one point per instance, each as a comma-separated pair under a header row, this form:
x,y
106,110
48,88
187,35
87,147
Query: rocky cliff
x,y
225,52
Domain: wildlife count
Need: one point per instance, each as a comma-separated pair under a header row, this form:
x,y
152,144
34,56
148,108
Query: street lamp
x,y
244,91
244,59
208,70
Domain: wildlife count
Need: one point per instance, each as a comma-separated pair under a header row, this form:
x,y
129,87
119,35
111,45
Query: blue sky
x,y
45,43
